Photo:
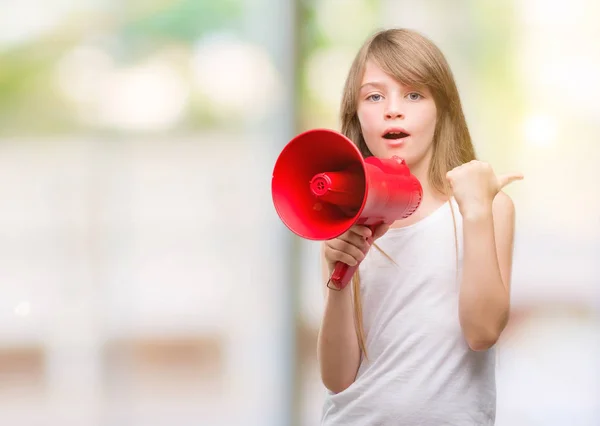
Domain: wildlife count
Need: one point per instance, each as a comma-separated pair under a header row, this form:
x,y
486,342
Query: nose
x,y
393,110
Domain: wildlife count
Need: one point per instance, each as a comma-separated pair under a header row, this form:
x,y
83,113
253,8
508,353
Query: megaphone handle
x,y
342,274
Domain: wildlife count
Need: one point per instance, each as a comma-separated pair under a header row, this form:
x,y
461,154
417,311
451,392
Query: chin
x,y
397,151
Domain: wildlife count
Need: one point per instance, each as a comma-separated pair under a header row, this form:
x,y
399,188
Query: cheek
x,y
366,119
428,121
432,125
432,113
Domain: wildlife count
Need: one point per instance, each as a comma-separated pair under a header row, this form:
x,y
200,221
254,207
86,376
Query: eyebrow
x,y
375,84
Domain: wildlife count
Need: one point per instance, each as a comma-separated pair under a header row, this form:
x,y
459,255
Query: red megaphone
x,y
322,186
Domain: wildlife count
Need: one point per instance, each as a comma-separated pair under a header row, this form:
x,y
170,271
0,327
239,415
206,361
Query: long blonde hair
x,y
416,61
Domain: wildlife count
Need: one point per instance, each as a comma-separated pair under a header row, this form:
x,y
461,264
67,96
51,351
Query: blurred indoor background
x,y
145,278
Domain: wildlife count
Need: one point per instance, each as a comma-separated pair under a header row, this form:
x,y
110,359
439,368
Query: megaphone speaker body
x,y
322,186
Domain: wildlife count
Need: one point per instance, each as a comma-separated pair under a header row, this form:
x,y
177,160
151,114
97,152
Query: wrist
x,y
476,211
334,287
338,297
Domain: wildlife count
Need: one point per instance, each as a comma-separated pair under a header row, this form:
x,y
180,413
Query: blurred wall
x,y
143,273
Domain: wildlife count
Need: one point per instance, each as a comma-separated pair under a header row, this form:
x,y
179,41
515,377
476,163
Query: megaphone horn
x,y
322,186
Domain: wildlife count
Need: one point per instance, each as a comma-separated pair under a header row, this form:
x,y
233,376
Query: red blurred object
x,y
322,186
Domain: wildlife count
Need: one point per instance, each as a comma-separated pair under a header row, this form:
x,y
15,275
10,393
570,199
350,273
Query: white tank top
x,y
420,369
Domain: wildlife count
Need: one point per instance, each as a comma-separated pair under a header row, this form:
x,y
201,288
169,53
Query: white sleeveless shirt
x,y
420,370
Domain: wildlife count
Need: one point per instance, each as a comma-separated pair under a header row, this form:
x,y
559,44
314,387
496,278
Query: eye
x,y
375,97
414,96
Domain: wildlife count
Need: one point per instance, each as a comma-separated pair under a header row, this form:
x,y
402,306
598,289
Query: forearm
x,y
484,297
337,348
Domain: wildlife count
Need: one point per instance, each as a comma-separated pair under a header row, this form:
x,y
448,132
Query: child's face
x,y
396,119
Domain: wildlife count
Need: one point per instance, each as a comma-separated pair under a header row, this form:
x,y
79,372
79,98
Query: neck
x,y
421,172
432,199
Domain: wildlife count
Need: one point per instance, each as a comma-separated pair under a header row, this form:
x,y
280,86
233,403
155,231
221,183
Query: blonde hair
x,y
415,61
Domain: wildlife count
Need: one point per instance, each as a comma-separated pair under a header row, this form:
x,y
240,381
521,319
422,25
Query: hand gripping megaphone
x,y
322,186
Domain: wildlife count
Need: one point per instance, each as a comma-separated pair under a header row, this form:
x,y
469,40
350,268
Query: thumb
x,y
506,179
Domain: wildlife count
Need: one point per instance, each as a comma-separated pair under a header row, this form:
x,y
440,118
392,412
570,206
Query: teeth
x,y
395,135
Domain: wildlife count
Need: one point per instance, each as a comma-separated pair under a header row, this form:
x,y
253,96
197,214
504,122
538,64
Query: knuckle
x,y
346,246
348,249
358,231
359,241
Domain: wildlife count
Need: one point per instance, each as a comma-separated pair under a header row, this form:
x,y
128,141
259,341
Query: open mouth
x,y
395,135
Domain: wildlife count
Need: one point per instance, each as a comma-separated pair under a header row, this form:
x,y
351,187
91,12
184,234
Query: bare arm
x,y
485,289
337,347
338,350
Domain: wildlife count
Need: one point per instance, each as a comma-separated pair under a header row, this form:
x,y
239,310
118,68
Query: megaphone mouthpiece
x,y
344,189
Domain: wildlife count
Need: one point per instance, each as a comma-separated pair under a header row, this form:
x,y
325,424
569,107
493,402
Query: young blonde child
x,y
411,341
